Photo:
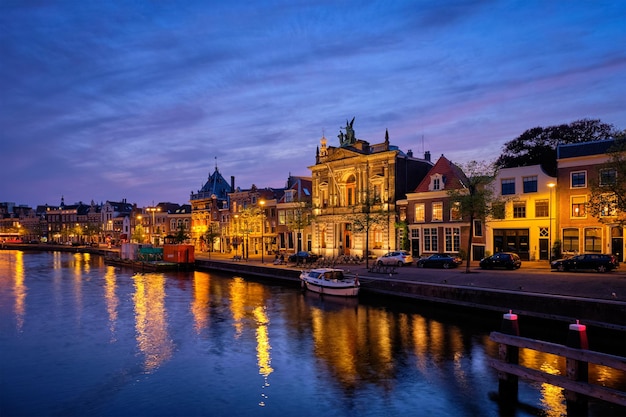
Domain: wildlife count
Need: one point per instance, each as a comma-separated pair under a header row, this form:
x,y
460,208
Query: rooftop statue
x,y
348,138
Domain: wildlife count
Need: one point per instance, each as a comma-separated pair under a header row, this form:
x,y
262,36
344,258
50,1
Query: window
x,y
570,240
351,191
415,233
578,206
519,209
542,208
419,212
436,184
453,239
289,194
430,239
437,212
593,240
530,184
579,179
498,210
455,211
478,228
508,186
281,217
609,205
608,176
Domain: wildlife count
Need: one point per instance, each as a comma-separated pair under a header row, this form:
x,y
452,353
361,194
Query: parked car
x,y
508,260
303,257
587,262
439,260
398,257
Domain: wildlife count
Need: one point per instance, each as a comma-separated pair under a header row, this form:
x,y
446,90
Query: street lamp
x,y
236,239
551,186
262,203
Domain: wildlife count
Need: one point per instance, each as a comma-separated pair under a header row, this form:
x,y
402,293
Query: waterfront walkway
x,y
532,277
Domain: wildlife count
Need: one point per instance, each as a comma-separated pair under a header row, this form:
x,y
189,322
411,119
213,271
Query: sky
x,y
142,100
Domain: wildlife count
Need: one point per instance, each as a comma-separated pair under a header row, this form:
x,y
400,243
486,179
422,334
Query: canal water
x,y
80,338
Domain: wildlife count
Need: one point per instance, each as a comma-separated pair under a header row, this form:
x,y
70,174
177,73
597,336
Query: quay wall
x,y
605,314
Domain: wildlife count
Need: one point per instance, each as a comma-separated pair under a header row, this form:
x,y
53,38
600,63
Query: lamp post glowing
x,y
236,239
262,203
551,186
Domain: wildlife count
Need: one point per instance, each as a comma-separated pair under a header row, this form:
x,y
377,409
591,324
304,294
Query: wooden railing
x,y
575,382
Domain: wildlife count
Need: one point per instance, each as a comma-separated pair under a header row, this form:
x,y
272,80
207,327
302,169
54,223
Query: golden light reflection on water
x,y
19,289
263,348
201,300
151,320
111,299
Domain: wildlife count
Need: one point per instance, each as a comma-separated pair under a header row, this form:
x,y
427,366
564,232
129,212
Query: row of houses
x,y
361,200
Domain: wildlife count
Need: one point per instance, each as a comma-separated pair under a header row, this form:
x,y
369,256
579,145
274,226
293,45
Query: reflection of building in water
x,y
112,302
151,319
12,282
201,300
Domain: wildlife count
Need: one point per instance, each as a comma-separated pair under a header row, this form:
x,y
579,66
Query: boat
x,y
330,281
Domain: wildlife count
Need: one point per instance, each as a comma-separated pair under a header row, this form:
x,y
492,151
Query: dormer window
x,y
437,182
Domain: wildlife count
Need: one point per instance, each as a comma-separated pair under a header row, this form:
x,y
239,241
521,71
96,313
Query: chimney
x,y
232,183
427,156
409,153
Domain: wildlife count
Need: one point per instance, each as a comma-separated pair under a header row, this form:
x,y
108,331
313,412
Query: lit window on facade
x,y
542,208
570,240
578,206
438,212
519,209
593,240
419,212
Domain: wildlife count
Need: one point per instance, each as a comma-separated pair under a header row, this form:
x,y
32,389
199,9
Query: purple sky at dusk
x,y
139,100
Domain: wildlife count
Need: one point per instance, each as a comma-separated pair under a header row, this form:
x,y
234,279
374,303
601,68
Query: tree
x,y
364,219
476,198
210,235
608,194
299,218
181,234
537,146
138,234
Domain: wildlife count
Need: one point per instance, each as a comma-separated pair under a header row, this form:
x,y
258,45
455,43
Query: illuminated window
x,y
579,179
570,240
455,211
609,205
593,240
519,209
542,208
578,206
437,212
419,212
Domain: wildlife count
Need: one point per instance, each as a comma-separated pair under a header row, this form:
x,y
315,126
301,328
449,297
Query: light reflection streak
x,y
78,285
19,289
151,320
201,300
111,299
264,358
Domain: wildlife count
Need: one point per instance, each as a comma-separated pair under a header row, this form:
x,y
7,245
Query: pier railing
x,y
577,357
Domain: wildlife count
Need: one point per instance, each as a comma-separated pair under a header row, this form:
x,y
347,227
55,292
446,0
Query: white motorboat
x,y
330,281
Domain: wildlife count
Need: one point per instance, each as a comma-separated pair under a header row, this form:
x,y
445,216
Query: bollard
x,y
508,383
577,404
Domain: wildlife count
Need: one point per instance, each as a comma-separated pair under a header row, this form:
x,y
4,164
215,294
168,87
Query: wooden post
x,y
577,404
508,383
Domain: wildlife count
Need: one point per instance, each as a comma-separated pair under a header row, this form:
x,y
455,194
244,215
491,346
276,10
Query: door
x,y
544,249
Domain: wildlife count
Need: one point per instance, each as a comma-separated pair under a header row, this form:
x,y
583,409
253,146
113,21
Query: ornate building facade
x,y
355,187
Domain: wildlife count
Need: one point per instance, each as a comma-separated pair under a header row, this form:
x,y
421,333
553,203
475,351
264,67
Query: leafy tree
x,y
608,199
537,146
210,236
364,219
476,198
301,218
181,234
138,234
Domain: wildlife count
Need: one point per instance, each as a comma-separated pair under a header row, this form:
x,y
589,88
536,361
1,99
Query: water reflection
x,y
201,300
13,286
151,320
111,299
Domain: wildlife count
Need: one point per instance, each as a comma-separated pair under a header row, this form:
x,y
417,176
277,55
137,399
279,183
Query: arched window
x,y
351,191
